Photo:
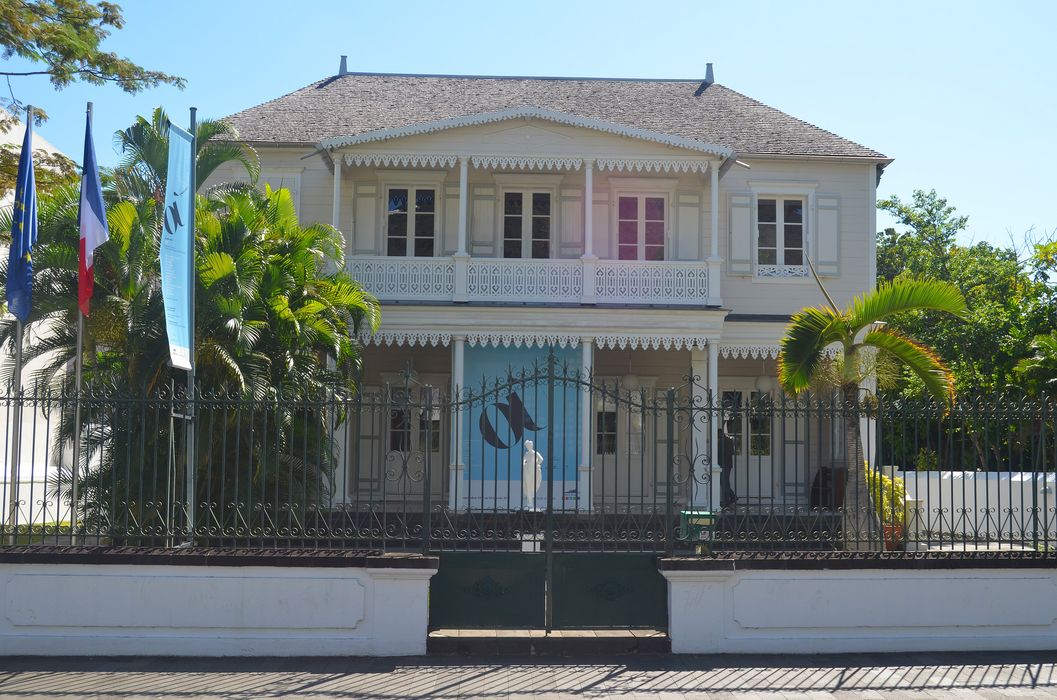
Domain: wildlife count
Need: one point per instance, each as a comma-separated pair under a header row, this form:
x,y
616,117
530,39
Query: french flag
x,y
92,218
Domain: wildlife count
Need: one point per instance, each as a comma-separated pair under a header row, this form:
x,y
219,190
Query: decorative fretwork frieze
x,y
402,160
633,341
526,162
519,339
520,280
403,337
657,165
781,271
746,351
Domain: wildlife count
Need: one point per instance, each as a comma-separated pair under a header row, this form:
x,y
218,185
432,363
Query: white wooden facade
x,y
709,267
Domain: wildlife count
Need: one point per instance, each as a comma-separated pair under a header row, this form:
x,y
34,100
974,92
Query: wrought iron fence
x,y
545,460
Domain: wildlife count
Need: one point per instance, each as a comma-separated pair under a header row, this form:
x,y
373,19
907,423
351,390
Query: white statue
x,y
531,475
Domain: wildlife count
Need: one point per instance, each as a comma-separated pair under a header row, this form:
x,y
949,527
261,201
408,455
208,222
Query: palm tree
x,y
273,304
857,328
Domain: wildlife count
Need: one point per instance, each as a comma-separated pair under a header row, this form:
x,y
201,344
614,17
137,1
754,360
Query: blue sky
x,y
962,94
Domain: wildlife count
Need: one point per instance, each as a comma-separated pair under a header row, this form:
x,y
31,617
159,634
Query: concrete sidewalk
x,y
969,675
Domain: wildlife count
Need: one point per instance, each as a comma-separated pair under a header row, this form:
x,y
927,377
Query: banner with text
x,y
177,249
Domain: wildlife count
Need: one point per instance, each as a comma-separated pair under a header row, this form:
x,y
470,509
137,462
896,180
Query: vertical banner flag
x,y
497,427
177,248
23,233
92,219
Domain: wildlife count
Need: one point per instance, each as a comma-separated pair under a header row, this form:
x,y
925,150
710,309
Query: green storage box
x,y
698,527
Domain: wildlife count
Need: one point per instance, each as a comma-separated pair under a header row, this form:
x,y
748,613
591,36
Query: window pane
x,y
512,227
398,200
512,203
396,246
794,257
794,211
628,231
425,200
424,225
794,236
766,210
541,228
655,208
423,247
512,249
541,249
767,236
541,203
397,225
768,257
655,232
628,208
628,252
654,252
399,430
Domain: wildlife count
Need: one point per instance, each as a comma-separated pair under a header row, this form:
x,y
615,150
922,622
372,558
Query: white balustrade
x,y
534,281
394,279
516,279
661,282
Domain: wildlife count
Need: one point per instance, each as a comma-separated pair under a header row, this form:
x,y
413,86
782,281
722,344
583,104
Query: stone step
x,y
537,642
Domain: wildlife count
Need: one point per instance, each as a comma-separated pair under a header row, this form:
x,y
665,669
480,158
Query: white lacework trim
x,y
781,271
409,338
527,162
759,352
415,160
518,340
525,113
651,342
652,165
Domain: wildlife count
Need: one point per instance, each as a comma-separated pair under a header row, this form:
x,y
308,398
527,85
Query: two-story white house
x,y
645,230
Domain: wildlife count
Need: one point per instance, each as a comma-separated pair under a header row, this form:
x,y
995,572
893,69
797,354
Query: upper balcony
x,y
534,281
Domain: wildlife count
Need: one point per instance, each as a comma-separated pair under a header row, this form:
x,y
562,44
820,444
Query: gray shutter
x,y
450,240
570,240
739,225
688,232
365,231
827,236
482,224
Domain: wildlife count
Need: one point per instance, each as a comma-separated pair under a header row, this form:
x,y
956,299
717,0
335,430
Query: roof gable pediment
x,y
528,126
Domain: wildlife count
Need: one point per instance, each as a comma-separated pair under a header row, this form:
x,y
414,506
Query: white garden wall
x,y
959,505
184,610
862,610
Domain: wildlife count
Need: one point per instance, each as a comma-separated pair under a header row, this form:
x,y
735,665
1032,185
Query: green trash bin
x,y
698,528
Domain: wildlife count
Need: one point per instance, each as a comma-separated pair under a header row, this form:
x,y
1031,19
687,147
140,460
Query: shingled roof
x,y
350,104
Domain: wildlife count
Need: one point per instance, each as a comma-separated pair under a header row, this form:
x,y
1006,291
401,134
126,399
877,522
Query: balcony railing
x,y
537,281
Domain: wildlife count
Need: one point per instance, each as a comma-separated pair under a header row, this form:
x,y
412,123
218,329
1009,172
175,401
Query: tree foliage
x,y
1008,298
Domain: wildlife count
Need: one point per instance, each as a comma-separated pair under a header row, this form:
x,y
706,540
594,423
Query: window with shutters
x,y
781,225
527,224
411,221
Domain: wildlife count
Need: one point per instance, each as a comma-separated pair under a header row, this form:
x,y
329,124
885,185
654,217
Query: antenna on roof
x,y
709,79
343,69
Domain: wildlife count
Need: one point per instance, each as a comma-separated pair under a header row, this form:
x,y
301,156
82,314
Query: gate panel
x,y
609,590
488,589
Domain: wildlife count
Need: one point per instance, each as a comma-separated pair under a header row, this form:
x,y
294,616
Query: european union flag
x,y
23,233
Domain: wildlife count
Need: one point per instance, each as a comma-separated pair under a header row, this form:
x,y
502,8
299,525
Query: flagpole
x,y
78,368
16,432
16,440
191,280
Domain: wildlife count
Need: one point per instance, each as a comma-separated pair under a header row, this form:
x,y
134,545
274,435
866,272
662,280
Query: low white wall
x,y
176,610
861,610
1011,506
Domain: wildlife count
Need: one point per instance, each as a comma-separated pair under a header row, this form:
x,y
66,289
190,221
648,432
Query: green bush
x,y
889,497
927,460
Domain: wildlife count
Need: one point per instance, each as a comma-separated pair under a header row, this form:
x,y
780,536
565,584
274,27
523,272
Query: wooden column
x,y
584,473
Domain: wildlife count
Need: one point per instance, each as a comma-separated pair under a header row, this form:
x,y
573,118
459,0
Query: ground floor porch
x,y
592,426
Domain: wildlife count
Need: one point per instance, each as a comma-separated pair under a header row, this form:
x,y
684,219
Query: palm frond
x,y
808,334
921,360
905,294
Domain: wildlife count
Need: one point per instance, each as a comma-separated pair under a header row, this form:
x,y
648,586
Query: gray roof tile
x,y
356,103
